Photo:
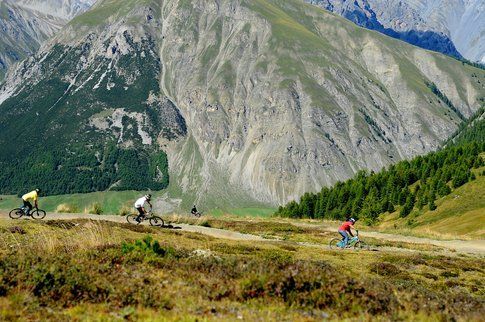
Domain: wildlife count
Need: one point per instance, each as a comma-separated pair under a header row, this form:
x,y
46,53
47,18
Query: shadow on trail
x,y
169,226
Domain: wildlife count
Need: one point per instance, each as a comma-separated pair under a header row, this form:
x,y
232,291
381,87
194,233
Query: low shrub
x,y
148,246
67,208
430,276
125,210
61,224
95,209
309,285
385,269
448,274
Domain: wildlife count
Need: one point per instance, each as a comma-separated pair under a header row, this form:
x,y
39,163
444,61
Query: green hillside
x,y
458,215
109,202
439,194
253,102
405,185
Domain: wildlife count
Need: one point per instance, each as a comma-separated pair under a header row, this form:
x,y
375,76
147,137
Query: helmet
x,y
37,190
148,197
352,220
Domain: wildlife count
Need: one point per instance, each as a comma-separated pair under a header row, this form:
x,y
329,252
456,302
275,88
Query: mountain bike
x,y
152,219
354,242
197,214
18,213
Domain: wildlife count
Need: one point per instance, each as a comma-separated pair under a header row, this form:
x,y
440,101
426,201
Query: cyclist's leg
x,y
141,214
345,236
28,207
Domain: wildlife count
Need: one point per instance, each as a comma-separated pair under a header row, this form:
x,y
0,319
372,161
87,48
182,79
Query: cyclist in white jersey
x,y
140,206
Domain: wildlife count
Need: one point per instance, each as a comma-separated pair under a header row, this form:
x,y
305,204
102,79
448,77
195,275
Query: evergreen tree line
x,y
471,63
472,130
404,186
82,170
436,91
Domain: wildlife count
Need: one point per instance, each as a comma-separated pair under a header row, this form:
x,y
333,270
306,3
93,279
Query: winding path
x,y
476,247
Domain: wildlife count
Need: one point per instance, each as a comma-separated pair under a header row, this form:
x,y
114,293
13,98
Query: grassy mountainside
x,y
105,271
121,203
253,101
439,194
458,215
110,202
471,130
407,185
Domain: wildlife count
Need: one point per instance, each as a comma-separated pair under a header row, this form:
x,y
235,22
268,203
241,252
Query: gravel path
x,y
460,246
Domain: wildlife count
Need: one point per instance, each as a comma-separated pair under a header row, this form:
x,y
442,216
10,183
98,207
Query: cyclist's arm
x,y
350,230
35,204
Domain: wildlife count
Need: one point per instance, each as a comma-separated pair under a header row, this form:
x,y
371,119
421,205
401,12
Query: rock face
x,y
26,24
453,27
253,101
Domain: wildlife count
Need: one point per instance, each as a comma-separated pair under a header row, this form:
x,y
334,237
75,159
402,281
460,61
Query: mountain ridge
x,y
452,27
26,24
258,100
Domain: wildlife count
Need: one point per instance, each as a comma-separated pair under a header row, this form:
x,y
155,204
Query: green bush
x,y
95,208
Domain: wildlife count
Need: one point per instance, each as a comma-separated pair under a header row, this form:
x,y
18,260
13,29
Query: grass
x,y
243,212
111,202
83,270
458,215
291,231
119,202
100,13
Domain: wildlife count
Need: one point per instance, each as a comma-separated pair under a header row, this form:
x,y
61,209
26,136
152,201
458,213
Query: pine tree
x,y
408,207
432,198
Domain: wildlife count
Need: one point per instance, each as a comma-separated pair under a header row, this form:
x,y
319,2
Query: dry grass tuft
x,y
73,237
95,209
67,208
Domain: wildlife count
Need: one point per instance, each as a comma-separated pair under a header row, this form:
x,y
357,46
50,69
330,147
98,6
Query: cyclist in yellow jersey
x,y
33,195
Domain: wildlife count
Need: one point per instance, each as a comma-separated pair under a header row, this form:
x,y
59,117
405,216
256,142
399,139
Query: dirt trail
x,y
460,246
213,232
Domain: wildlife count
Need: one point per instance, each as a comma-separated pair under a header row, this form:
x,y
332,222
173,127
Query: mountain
x,y
26,24
440,193
453,27
251,101
471,130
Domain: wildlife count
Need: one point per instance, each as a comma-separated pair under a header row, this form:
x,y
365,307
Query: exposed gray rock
x,y
270,99
26,24
453,27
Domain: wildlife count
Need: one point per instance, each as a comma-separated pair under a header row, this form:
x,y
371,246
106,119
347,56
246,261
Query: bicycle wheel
x,y
334,243
131,219
16,213
361,245
38,214
156,221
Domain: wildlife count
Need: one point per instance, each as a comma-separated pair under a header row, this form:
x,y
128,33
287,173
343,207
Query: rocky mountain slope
x,y
453,27
25,24
252,100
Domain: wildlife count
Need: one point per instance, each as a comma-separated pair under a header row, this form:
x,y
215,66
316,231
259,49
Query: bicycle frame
x,y
352,241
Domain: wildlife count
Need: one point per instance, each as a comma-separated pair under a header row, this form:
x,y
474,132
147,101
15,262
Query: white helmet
x,y
148,197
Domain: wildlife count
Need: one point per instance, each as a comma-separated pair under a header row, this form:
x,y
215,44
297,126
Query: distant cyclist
x,y
194,211
344,230
140,206
31,196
